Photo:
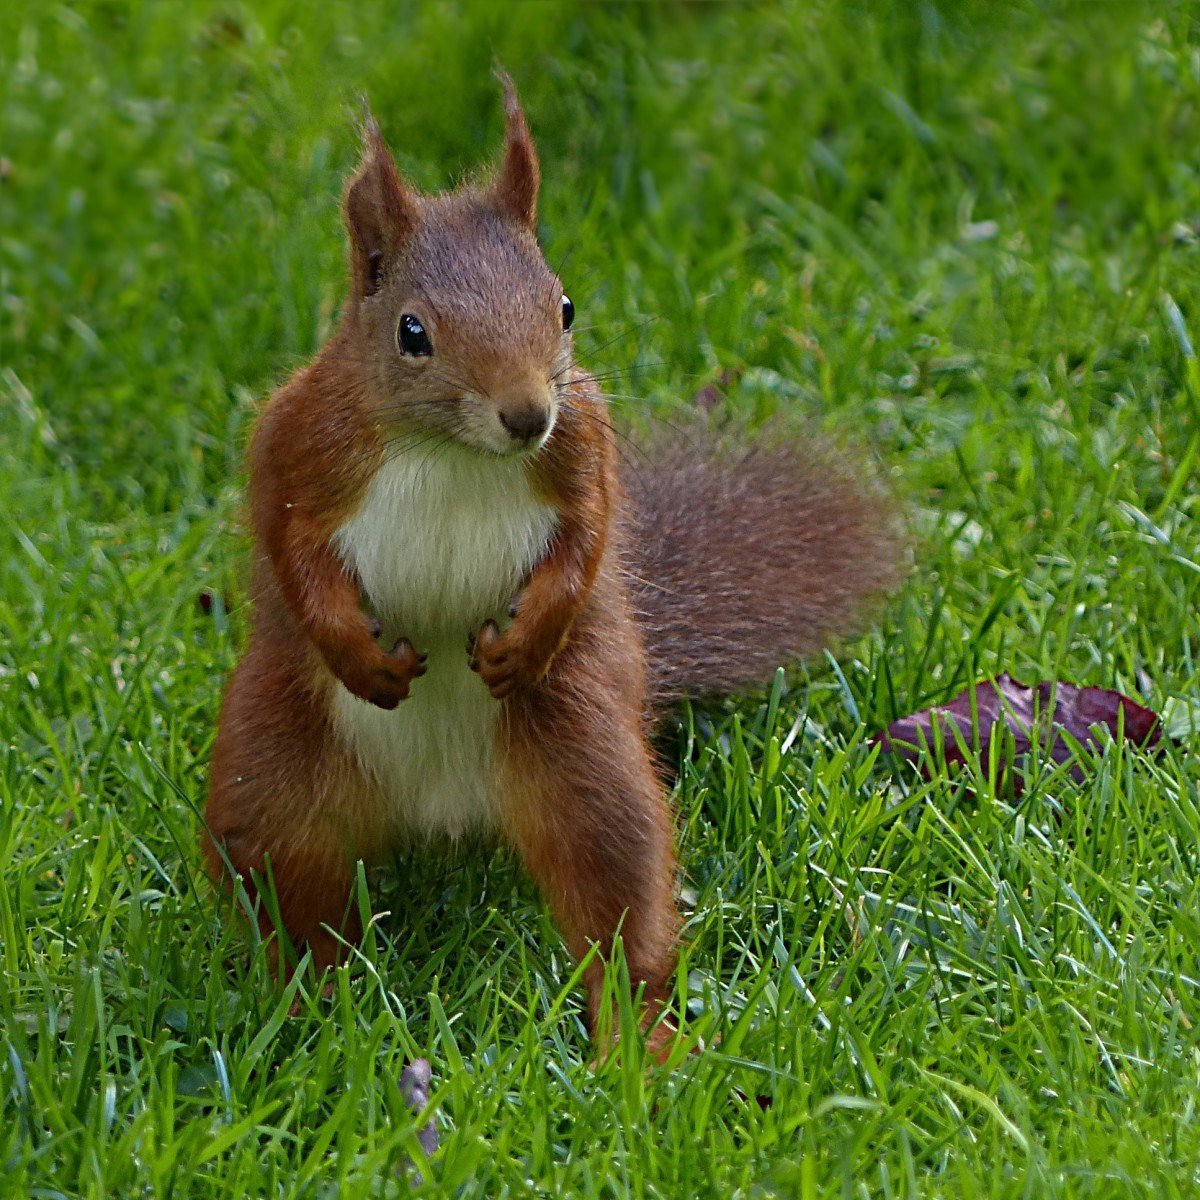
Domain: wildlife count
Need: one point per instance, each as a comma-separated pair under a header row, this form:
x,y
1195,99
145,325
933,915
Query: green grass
x,y
967,235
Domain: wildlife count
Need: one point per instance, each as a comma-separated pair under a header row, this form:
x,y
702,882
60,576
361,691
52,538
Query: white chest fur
x,y
440,544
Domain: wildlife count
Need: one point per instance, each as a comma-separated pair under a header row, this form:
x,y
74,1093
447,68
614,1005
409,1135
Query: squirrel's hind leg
x,y
285,803
583,806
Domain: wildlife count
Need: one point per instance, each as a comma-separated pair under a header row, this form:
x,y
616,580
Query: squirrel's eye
x,y
568,312
411,336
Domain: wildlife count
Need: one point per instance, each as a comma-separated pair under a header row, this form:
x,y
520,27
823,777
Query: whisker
x,y
568,254
636,327
625,332
618,372
395,452
624,439
424,468
682,431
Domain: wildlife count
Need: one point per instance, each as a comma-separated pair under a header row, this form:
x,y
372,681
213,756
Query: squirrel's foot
x,y
391,675
505,661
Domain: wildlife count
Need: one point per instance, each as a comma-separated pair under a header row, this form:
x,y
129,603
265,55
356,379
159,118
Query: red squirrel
x,y
466,618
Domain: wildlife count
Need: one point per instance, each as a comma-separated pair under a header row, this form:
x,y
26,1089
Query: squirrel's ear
x,y
381,210
515,189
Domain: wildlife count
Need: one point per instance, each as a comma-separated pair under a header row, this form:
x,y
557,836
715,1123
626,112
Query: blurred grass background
x,y
967,234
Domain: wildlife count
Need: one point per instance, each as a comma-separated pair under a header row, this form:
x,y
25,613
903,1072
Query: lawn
x,y
967,236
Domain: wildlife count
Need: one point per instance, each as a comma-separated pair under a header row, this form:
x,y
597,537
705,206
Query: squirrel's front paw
x,y
505,661
391,675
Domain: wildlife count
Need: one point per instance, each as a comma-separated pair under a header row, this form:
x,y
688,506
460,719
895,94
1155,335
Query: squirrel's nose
x,y
526,421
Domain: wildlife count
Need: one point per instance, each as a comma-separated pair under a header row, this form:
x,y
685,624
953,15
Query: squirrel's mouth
x,y
471,423
490,433
511,448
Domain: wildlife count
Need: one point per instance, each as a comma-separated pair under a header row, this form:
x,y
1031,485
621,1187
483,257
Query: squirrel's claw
x,y
504,662
408,659
392,675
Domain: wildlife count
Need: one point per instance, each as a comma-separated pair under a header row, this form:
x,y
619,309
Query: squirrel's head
x,y
460,324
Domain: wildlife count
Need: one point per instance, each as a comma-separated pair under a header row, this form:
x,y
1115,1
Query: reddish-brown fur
x,y
796,542
579,797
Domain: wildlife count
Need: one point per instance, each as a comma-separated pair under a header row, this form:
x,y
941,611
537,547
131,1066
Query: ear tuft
x,y
515,189
381,209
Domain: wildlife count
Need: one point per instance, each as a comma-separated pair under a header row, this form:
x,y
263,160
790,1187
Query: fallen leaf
x,y
414,1087
1024,717
709,396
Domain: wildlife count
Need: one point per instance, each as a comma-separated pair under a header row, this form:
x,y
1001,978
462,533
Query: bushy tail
x,y
742,562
